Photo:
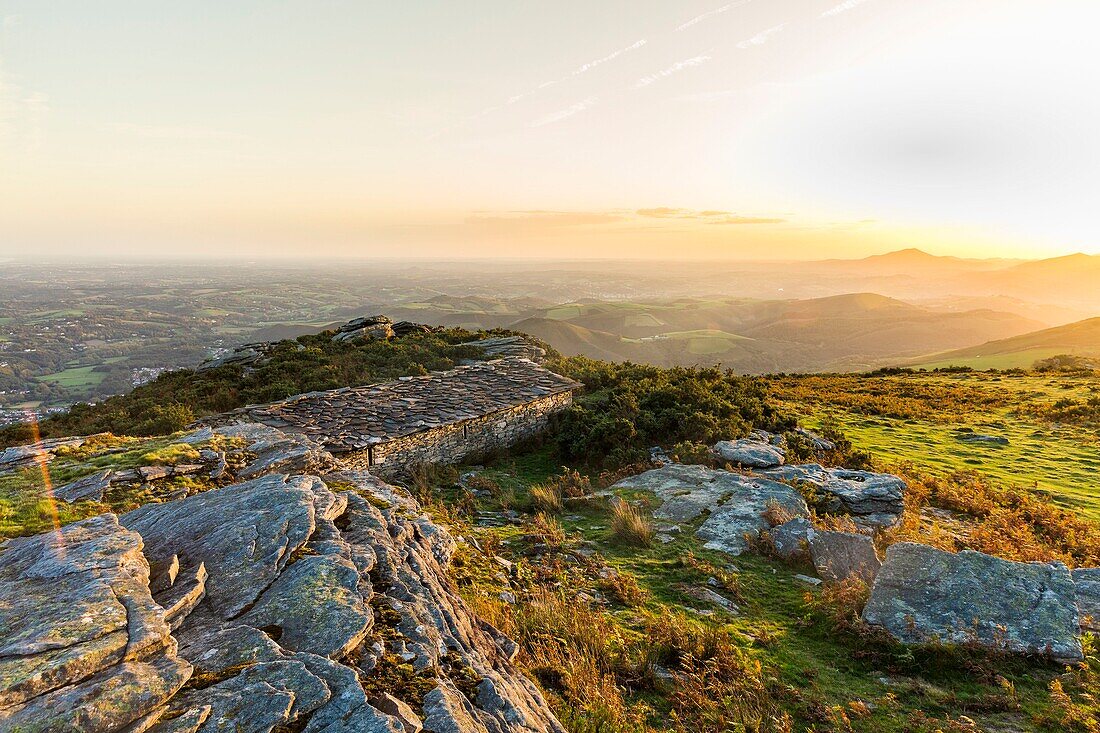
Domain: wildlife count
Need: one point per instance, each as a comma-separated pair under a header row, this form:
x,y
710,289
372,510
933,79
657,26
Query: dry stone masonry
x,y
438,418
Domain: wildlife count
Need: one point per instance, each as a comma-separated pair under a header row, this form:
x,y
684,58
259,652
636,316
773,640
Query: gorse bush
x,y
627,408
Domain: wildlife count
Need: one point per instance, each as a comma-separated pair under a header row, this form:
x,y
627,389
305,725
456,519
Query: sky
x,y
697,129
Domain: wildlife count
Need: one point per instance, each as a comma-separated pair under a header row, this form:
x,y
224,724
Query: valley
x,y
82,332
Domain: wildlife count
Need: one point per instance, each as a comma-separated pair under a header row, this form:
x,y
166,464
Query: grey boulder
x,y
924,595
838,556
791,539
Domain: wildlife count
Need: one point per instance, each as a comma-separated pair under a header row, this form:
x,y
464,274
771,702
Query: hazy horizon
x,y
703,130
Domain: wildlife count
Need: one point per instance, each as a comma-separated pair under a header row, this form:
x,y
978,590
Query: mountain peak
x,y
910,253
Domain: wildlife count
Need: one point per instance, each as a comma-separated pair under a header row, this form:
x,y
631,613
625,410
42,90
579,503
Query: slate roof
x,y
352,418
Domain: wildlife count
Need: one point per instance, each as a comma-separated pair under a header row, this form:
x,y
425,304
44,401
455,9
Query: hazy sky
x,y
572,128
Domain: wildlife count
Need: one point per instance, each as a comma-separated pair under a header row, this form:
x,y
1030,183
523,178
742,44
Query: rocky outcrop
x,y
872,499
265,449
504,346
246,356
19,457
838,556
924,595
735,506
368,328
1087,581
281,602
749,452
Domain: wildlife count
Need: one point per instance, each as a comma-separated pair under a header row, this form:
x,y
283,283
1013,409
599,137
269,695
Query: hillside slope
x,y
1079,339
853,331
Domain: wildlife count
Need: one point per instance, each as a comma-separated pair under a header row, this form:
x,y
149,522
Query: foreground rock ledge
x,y
277,603
924,595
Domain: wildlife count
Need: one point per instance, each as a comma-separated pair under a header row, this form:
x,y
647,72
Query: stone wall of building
x,y
459,441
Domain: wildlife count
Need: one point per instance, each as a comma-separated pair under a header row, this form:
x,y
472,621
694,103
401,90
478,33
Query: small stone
x,y
749,453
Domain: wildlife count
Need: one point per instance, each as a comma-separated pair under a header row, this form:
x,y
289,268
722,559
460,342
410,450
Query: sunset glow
x,y
706,129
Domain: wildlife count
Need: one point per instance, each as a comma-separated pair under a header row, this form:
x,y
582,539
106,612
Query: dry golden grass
x,y
544,528
841,603
629,526
546,498
1009,523
623,588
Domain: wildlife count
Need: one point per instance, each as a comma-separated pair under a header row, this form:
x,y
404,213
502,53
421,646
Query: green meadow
x,y
1059,459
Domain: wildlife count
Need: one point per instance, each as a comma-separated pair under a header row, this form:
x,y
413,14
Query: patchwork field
x,y
76,377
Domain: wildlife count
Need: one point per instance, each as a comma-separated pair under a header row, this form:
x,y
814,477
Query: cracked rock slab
x,y
80,627
872,499
734,505
244,534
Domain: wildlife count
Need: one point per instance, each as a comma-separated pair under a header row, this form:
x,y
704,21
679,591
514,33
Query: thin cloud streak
x,y
566,113
762,37
842,8
676,67
593,64
582,69
709,14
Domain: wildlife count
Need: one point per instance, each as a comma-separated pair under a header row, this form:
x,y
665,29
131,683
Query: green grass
x,y
707,341
42,316
27,505
562,313
75,377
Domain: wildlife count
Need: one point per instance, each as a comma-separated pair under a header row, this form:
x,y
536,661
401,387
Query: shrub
x,y
164,419
572,483
629,526
627,408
